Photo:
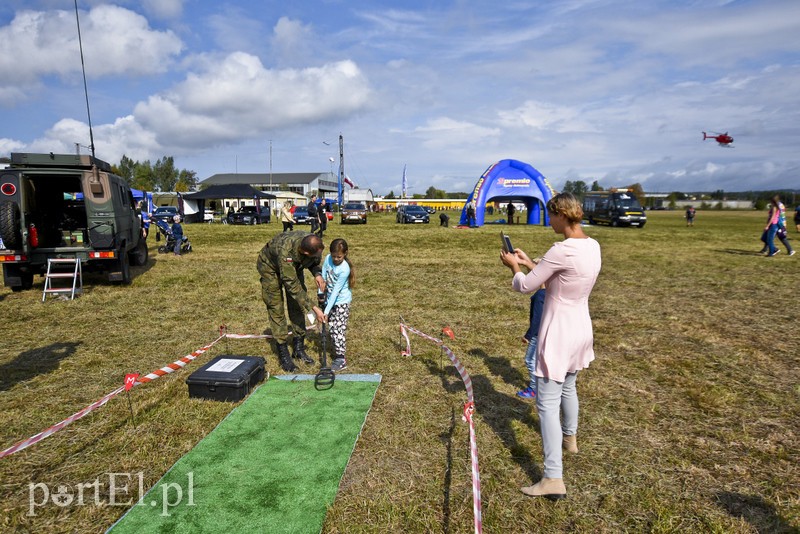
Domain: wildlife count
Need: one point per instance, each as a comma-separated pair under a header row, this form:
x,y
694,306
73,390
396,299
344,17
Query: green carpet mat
x,y
273,465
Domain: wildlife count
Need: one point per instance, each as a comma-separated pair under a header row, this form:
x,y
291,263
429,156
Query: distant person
x,y
471,213
510,209
531,339
444,219
177,234
339,276
323,217
286,217
283,289
568,270
775,220
313,214
690,216
146,223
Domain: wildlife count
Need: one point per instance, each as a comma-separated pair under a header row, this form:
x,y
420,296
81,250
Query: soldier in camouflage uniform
x,y
280,264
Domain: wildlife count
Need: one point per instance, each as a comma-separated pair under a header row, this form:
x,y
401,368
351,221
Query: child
x,y
177,233
531,337
339,276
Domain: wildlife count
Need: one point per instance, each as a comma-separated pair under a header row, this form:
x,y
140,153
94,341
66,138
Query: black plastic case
x,y
226,378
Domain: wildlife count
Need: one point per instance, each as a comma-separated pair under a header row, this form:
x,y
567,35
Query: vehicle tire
x,y
614,222
139,254
641,225
162,249
10,224
365,221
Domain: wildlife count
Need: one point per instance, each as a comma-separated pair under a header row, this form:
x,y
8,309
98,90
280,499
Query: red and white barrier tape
x,y
55,428
469,410
171,368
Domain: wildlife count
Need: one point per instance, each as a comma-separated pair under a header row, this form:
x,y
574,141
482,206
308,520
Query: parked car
x,y
354,212
412,214
429,209
249,215
301,215
165,213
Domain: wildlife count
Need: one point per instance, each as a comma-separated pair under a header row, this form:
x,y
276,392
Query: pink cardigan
x,y
568,270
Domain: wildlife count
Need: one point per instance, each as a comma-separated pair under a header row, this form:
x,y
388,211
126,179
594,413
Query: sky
x,y
616,91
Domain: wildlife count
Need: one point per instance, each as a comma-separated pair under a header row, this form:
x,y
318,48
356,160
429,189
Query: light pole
x,y
271,206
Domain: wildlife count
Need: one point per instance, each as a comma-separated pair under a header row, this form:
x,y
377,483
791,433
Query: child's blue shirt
x,y
336,282
537,306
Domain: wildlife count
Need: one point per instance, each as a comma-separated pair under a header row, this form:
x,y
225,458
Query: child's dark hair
x,y
340,245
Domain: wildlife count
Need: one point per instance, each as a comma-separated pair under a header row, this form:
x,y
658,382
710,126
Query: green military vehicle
x,y
66,206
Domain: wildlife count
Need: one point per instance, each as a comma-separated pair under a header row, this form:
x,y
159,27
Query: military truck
x,y
66,206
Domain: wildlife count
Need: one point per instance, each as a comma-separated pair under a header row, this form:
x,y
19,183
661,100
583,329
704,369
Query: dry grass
x,y
690,414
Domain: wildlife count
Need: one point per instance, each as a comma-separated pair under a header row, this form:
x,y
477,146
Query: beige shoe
x,y
570,444
550,488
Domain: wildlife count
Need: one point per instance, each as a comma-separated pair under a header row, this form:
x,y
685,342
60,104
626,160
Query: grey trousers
x,y
557,404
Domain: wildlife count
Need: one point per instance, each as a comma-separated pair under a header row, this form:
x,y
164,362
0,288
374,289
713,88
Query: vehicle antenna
x,y
85,87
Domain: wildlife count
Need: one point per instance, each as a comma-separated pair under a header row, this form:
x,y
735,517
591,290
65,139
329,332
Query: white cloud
x,y
445,132
292,40
239,98
123,137
164,9
10,145
116,41
542,115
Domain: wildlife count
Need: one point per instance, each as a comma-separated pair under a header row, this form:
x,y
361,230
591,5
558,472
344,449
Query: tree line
x,y
159,176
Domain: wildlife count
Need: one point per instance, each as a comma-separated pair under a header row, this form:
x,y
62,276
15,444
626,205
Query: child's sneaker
x,y
339,364
527,393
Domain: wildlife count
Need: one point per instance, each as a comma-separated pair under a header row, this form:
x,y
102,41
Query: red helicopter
x,y
722,139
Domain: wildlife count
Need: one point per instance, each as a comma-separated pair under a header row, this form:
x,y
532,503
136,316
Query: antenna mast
x,y
85,87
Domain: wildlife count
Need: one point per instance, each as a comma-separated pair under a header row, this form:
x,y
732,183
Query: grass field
x,y
690,415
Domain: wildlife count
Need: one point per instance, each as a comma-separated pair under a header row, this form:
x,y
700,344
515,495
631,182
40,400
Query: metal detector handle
x,y
323,357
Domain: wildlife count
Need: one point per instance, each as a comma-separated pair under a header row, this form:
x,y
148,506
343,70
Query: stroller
x,y
169,245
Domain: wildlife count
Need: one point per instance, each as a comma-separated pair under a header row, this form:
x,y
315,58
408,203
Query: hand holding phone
x,y
507,246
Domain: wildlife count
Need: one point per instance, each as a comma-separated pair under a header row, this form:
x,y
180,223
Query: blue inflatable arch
x,y
508,180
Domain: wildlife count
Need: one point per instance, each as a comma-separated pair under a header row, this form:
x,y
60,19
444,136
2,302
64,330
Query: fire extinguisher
x,y
33,236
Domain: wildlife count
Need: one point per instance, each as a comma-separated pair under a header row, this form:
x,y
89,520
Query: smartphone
x,y
507,246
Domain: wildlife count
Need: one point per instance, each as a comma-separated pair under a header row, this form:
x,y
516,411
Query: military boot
x,y
298,343
286,361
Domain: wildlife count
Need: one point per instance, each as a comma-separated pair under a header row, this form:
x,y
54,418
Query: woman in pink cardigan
x,y
568,270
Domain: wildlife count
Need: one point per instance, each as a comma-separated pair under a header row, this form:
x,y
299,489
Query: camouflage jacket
x,y
282,256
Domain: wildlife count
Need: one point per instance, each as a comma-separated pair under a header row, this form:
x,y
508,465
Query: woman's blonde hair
x,y
567,205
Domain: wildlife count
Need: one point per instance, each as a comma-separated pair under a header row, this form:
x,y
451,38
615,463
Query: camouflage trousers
x,y
278,303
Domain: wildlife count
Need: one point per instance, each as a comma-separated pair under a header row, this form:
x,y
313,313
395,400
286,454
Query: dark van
x,y
617,207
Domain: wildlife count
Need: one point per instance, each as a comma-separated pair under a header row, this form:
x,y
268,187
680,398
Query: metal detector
x,y
325,378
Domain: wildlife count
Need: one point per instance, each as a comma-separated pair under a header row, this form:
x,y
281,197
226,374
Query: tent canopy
x,y
228,191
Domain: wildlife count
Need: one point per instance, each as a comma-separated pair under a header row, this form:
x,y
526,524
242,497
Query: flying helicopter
x,y
722,138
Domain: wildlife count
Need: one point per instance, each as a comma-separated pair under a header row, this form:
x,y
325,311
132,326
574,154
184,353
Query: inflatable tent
x,y
509,180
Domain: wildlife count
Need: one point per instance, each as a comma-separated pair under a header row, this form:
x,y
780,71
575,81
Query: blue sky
x,y
614,91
